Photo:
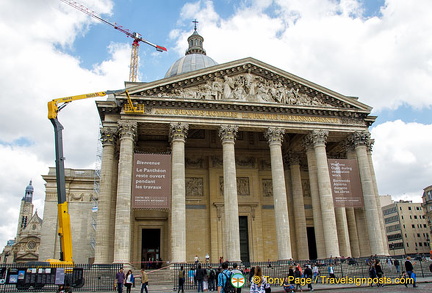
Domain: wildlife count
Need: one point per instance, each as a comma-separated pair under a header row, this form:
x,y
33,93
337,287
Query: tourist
x,y
211,278
181,279
144,281
223,277
297,277
199,275
236,270
409,268
129,281
315,272
379,272
120,279
397,265
308,275
259,282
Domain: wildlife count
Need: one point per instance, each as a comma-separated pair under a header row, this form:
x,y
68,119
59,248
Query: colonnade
x,y
338,231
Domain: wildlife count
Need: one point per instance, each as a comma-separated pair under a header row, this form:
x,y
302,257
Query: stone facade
x,y
249,145
81,198
249,177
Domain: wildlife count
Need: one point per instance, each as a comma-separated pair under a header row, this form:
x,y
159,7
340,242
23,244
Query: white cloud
x,y
384,60
33,71
402,158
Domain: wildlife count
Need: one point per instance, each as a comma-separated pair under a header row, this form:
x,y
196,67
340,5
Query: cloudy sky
x,y
379,51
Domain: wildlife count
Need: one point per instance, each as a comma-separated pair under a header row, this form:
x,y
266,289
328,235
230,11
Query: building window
x,y
412,226
420,244
424,225
418,234
31,245
415,217
409,208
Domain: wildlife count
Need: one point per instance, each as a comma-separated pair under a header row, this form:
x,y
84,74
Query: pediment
x,y
247,80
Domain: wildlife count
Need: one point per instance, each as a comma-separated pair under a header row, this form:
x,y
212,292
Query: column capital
x,y
128,129
274,135
109,135
315,138
359,138
178,131
228,133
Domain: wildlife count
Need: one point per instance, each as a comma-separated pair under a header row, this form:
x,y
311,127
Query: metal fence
x,y
24,277
274,271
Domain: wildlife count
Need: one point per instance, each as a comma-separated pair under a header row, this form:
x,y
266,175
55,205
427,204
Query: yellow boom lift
x,y
64,229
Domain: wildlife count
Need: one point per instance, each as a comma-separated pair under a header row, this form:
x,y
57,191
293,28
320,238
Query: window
x,y
410,217
409,208
412,226
420,244
424,225
415,217
418,234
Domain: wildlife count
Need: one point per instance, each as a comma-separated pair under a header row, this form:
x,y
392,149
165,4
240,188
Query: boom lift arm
x,y
64,229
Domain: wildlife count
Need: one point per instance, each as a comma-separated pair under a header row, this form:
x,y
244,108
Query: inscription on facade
x,y
251,116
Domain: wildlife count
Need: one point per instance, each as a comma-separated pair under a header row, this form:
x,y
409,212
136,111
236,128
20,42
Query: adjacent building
x,y
25,246
406,228
239,160
427,208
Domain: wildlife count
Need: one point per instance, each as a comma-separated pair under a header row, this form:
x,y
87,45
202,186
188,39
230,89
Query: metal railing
x,y
358,268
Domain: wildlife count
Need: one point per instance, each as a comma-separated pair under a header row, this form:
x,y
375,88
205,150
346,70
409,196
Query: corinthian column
x,y
316,205
122,240
360,140
231,232
298,205
103,236
377,196
178,133
319,138
275,137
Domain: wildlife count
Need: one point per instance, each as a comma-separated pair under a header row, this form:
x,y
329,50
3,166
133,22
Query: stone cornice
x,y
172,103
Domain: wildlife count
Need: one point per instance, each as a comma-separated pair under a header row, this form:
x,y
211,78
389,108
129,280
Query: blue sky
x,y
379,51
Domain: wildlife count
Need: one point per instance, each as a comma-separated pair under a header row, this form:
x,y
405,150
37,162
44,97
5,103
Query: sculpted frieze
x,y
246,87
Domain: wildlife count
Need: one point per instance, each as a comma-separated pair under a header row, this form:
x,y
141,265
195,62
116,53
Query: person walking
x,y
120,280
223,277
409,268
200,274
379,272
129,281
144,281
181,279
397,265
236,270
308,275
297,277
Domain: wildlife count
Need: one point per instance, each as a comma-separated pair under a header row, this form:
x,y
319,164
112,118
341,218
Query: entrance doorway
x,y
244,239
312,243
150,256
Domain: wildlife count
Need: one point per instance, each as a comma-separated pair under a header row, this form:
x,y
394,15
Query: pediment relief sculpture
x,y
246,87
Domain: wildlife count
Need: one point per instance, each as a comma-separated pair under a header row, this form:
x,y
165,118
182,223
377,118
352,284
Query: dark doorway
x,y
312,243
150,257
244,239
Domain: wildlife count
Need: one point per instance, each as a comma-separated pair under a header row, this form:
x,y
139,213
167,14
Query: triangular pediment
x,y
247,80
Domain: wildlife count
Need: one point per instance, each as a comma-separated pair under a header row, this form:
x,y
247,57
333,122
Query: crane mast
x,y
133,73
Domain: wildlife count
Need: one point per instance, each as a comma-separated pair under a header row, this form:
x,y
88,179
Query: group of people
x,y
376,270
128,280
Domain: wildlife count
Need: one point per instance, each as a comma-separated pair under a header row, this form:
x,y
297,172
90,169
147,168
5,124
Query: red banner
x,y
151,186
345,183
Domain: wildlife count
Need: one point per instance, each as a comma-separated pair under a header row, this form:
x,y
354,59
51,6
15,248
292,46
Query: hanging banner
x,y
151,186
345,183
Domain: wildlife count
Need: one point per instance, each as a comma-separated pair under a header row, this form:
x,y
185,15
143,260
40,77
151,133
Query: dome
x,y
195,57
189,63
